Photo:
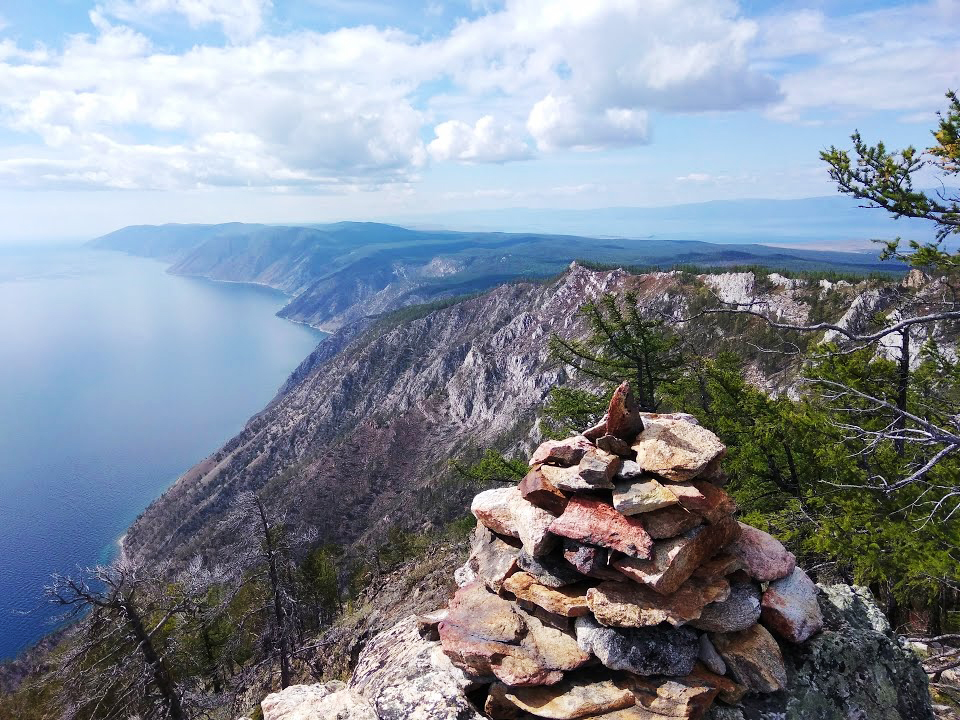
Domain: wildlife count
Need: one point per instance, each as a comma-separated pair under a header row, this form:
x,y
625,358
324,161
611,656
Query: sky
x,y
117,112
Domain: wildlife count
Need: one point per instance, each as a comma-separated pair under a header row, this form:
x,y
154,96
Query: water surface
x,y
115,377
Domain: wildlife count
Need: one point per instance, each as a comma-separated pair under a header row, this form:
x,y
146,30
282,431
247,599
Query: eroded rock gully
x,y
583,599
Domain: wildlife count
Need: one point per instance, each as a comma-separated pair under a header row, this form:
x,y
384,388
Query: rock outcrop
x,y
605,622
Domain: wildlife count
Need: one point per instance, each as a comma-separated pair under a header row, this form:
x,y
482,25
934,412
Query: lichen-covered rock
x,y
660,650
669,522
317,702
623,414
405,677
533,527
856,667
590,561
561,452
568,601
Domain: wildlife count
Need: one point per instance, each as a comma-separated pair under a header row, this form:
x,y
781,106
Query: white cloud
x,y
696,177
483,142
559,123
239,19
898,59
348,108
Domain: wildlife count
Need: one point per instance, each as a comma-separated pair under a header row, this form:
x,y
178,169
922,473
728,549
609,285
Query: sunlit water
x,y
115,377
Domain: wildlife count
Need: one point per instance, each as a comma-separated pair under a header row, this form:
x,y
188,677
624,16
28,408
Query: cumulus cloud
x,y
239,19
559,123
348,108
483,142
896,59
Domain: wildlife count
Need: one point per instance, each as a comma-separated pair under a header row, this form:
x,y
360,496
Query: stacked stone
x,y
615,583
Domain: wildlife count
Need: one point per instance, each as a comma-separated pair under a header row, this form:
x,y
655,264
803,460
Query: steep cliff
x,y
361,436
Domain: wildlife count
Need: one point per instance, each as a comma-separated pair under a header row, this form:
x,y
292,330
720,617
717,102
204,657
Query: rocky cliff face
x,y
362,433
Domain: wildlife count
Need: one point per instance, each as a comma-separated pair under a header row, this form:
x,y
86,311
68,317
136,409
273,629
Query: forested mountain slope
x,y
343,272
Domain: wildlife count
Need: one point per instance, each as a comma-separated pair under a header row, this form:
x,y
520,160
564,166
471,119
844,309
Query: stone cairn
x,y
615,583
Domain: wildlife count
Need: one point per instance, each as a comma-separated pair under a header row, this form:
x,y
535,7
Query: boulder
x,y
317,702
596,523
533,527
790,607
569,601
623,414
590,561
632,605
550,570
597,431
535,488
676,450
669,522
632,497
754,658
561,452
491,559
555,647
629,470
674,561
494,508
738,611
761,555
660,650
406,677
590,694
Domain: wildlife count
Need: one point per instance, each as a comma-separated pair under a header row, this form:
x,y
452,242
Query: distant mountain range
x,y
834,221
342,272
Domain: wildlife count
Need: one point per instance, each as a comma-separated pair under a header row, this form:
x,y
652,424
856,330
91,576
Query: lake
x,y
115,377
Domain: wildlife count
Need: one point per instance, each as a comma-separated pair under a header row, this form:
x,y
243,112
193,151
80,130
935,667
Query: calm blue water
x,y
114,378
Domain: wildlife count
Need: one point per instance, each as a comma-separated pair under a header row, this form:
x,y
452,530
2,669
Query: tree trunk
x,y
285,674
903,384
161,674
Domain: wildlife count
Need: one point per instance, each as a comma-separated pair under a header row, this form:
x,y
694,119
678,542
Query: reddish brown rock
x,y
613,444
730,692
561,452
790,607
761,555
595,523
676,449
590,561
568,601
484,634
535,488
597,431
718,566
633,605
494,508
669,522
705,499
623,414
688,697
674,561
754,658
590,694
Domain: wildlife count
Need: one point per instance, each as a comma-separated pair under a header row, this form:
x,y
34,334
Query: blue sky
x,y
115,112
